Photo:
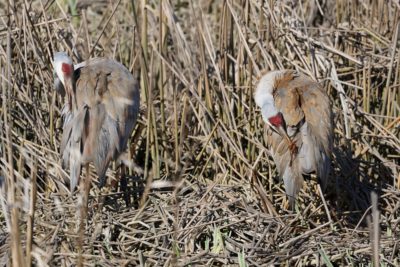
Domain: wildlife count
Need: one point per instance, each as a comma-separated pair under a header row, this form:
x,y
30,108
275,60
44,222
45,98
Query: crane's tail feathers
x,y
324,168
75,171
293,183
71,145
107,141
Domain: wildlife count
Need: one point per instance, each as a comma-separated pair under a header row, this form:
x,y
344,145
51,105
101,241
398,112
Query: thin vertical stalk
x,y
31,214
152,120
16,252
162,33
261,31
176,129
387,104
144,78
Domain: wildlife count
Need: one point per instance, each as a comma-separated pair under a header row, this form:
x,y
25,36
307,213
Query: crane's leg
x,y
84,195
324,202
124,184
87,190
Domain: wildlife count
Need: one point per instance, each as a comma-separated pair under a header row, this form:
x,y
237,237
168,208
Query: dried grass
x,y
209,192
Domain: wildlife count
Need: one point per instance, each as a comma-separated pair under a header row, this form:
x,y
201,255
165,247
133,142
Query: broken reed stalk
x,y
31,214
16,248
373,222
162,81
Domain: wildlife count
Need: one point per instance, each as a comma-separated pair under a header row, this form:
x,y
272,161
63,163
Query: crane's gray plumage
x,y
302,143
99,115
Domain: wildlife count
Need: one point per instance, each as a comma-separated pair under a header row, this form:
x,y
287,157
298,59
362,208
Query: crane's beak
x,y
59,86
283,133
69,91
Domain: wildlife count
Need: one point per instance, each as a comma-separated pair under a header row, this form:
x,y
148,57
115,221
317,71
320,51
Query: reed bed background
x,y
204,190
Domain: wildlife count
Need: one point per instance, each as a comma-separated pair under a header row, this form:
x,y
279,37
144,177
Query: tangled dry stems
x,y
221,202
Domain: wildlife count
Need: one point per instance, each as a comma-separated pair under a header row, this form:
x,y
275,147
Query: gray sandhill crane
x,y
298,127
99,115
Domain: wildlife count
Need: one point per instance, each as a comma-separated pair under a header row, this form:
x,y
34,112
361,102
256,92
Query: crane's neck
x,y
270,113
264,98
65,72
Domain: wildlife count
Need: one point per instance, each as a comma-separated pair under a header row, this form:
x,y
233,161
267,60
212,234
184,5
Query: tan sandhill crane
x,y
99,115
298,127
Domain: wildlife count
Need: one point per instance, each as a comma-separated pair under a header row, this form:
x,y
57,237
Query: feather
x,y
307,120
71,145
99,116
293,182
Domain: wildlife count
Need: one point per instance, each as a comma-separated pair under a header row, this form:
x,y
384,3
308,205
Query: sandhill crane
x,y
99,115
298,127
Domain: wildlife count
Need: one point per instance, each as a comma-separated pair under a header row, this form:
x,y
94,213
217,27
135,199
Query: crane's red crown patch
x,y
66,68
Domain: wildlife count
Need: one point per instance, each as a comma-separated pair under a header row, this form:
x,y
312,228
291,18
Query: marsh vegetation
x,y
204,189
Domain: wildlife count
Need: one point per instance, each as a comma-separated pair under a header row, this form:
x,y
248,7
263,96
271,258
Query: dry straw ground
x,y
204,190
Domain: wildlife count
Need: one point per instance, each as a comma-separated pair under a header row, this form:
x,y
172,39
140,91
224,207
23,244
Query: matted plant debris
x,y
202,187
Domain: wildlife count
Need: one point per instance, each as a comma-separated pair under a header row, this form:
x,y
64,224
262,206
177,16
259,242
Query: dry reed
x,y
204,190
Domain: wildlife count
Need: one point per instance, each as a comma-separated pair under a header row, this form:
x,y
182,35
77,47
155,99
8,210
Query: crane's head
x,y
63,67
265,100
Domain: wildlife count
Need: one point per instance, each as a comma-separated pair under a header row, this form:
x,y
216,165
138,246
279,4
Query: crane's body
x,y
100,113
298,127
